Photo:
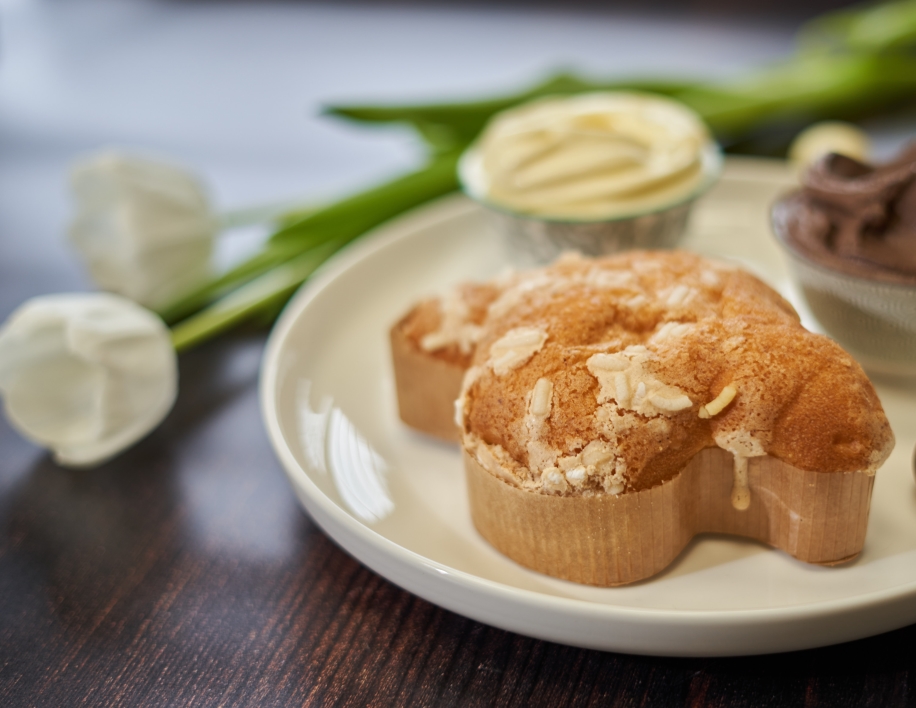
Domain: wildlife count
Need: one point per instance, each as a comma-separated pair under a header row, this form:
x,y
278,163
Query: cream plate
x,y
396,500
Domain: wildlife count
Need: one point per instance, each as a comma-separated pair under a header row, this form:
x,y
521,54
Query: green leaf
x,y
872,28
354,215
457,124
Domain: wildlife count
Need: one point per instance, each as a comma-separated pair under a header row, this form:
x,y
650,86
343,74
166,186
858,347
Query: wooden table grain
x,y
184,573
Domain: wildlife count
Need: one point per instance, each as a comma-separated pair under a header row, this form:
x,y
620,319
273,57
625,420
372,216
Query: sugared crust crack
x,y
449,327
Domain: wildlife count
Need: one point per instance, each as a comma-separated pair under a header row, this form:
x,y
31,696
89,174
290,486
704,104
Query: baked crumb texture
x,y
610,409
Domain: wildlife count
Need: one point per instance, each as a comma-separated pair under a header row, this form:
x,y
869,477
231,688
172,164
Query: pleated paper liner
x,y
606,540
426,386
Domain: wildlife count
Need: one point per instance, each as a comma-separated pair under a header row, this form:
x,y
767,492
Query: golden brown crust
x,y
705,326
427,318
799,396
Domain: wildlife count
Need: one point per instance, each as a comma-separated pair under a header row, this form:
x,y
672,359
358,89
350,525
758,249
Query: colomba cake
x,y
611,409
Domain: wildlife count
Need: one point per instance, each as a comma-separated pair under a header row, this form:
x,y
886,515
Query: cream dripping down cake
x,y
609,410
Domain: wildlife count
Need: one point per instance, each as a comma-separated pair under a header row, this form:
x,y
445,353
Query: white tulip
x,y
86,375
144,228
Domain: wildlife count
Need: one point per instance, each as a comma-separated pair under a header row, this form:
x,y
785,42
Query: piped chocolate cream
x,y
856,218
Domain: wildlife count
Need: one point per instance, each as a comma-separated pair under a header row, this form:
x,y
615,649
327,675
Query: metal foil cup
x,y
537,240
873,320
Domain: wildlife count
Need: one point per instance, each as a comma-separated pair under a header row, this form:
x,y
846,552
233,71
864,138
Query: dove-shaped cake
x,y
609,410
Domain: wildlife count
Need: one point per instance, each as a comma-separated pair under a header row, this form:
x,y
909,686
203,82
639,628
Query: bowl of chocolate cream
x,y
850,233
596,173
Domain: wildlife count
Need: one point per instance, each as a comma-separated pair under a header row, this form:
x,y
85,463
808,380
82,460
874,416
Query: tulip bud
x,y
86,374
145,229
829,136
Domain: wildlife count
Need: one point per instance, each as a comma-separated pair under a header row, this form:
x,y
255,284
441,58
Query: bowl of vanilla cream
x,y
597,173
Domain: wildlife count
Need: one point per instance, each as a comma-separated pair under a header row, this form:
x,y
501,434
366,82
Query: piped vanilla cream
x,y
591,156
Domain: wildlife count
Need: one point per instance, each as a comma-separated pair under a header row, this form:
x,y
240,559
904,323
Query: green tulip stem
x,y
277,212
340,222
277,284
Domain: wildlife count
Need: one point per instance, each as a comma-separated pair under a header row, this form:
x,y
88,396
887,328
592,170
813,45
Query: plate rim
x,y
332,519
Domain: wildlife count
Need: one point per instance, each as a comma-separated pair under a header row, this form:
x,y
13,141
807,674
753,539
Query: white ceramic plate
x,y
396,500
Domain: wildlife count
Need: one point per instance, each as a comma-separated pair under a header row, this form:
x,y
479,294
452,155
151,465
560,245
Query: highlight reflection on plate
x,y
330,442
396,500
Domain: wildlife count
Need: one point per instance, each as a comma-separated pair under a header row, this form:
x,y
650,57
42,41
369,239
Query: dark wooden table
x,y
184,573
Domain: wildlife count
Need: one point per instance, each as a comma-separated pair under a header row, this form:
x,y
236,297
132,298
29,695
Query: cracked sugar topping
x,y
606,376
449,327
